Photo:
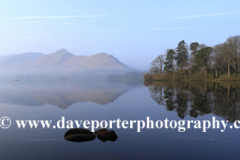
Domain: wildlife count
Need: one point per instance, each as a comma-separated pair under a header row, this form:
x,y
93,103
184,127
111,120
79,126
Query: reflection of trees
x,y
227,103
181,103
199,99
201,105
169,92
156,94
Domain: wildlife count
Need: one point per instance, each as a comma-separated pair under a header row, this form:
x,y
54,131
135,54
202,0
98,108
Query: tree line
x,y
198,61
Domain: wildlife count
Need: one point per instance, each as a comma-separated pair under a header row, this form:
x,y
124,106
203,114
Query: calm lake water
x,y
51,100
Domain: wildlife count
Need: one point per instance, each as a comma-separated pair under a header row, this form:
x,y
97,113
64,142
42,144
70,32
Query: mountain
x,y
15,61
3,58
64,61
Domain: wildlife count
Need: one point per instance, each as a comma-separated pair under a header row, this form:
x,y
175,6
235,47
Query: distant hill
x,y
63,61
3,58
16,61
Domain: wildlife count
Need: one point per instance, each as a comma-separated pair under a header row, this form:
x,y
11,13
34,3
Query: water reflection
x,y
83,135
60,93
197,99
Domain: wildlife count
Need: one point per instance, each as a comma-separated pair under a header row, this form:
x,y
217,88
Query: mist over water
x,y
61,93
101,100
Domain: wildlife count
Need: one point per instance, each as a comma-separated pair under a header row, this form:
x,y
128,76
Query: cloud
x,y
204,15
162,29
174,28
73,23
106,38
57,17
28,37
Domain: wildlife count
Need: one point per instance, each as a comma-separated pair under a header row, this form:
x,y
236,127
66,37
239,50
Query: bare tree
x,y
157,65
228,55
219,61
233,44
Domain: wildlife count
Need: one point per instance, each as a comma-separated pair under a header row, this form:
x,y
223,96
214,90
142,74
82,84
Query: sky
x,y
135,32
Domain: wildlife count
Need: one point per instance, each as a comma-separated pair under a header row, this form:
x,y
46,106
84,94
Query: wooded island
x,y
216,63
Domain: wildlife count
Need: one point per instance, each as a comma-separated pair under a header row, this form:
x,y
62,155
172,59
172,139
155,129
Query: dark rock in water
x,y
79,135
106,135
77,131
83,135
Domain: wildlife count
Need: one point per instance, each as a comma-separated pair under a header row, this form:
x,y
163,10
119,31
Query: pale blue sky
x,y
135,32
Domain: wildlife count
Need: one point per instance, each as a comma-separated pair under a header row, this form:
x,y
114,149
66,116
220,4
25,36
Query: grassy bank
x,y
182,76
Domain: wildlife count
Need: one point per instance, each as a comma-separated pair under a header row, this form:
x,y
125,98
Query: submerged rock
x,y
106,135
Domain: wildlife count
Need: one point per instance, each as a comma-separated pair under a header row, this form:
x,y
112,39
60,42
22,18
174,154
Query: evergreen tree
x,y
169,67
194,48
182,55
202,58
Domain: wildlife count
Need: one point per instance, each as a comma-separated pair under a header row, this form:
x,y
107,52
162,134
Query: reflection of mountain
x,y
61,94
194,99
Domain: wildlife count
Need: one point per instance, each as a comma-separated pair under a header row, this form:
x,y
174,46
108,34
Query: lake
x,y
101,100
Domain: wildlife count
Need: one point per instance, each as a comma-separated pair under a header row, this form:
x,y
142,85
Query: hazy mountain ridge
x,y
63,60
3,58
14,61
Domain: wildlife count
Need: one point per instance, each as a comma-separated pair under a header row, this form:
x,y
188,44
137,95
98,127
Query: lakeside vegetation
x,y
198,62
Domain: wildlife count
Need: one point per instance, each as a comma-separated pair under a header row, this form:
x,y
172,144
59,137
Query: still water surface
x,y
89,100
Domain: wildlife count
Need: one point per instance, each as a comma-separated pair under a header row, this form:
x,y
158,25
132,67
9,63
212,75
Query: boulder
x,y
106,135
79,135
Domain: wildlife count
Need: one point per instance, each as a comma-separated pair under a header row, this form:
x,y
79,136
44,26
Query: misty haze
x,y
61,64
119,80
